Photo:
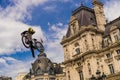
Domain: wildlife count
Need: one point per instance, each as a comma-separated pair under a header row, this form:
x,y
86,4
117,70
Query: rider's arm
x,y
24,32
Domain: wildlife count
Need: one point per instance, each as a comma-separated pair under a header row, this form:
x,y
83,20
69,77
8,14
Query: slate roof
x,y
115,22
85,17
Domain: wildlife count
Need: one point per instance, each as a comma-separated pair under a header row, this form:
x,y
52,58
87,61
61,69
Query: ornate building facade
x,y
91,44
44,69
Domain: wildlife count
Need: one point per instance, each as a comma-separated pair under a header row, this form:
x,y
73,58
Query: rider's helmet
x,y
31,31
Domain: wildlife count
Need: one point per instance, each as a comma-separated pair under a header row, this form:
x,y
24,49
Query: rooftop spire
x,y
81,3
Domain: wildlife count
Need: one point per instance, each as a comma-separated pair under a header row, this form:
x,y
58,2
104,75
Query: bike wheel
x,y
39,46
32,49
24,42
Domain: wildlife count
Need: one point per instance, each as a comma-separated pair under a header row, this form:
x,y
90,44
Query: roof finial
x,y
81,3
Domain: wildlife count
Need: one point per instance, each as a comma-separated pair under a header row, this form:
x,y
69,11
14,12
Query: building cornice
x,y
82,30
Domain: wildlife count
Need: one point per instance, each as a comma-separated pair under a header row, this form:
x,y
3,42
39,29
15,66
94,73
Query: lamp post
x,y
99,76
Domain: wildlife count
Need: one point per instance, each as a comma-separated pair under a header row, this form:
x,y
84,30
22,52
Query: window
x,y
116,37
79,64
106,42
108,55
68,75
98,64
77,51
86,44
89,68
81,75
111,68
118,51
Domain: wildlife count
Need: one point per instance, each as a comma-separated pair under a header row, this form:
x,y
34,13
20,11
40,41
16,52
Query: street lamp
x,y
103,76
99,76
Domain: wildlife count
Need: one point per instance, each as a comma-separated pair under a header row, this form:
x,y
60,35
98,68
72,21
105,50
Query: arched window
x,y
74,28
77,48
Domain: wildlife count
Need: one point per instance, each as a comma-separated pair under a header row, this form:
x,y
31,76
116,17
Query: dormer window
x,y
74,28
106,42
77,48
116,37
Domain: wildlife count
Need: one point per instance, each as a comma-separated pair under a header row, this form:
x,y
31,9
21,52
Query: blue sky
x,y
50,20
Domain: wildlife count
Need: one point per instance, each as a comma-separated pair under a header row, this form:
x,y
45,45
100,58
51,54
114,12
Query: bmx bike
x,y
31,43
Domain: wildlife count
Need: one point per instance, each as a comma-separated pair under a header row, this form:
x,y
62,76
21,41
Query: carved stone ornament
x,y
72,18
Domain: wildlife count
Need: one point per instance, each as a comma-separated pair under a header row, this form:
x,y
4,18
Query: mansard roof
x,y
81,8
115,22
85,17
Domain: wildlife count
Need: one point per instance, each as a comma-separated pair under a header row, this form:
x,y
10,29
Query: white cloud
x,y
54,48
60,24
21,10
50,8
11,25
112,9
11,67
